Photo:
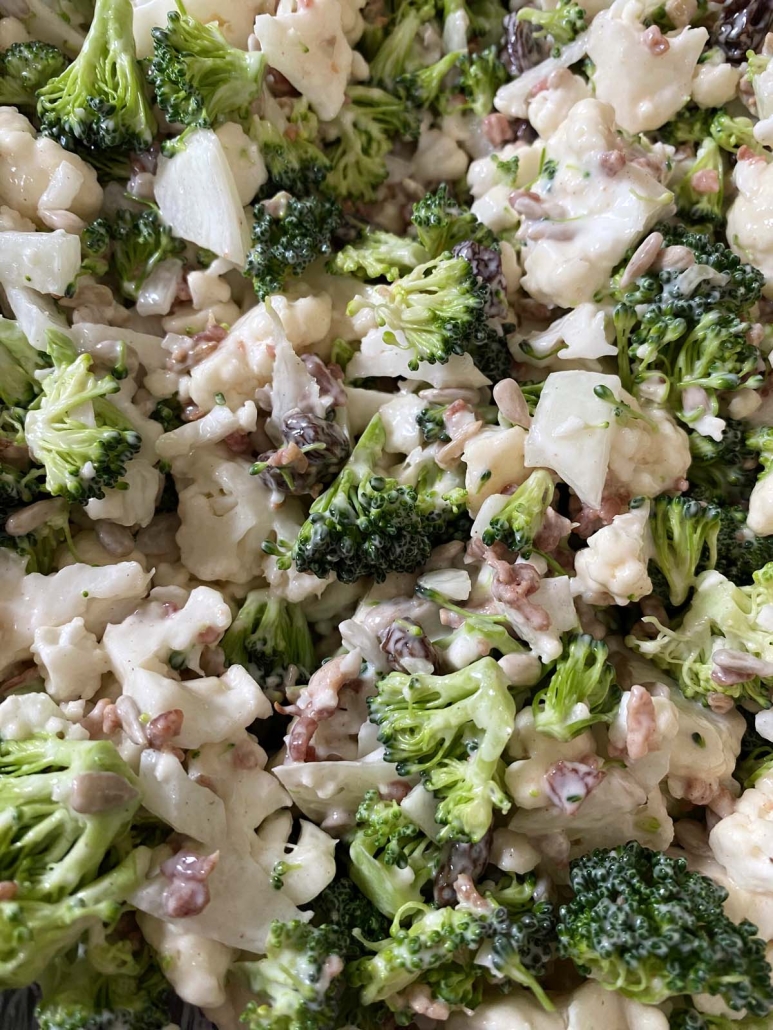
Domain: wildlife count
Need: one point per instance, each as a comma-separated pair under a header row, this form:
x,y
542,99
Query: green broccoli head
x,y
701,193
442,223
99,100
299,981
391,860
398,53
740,552
269,636
642,924
563,24
760,442
293,160
716,356
344,905
481,75
378,254
18,487
135,242
81,458
67,810
198,77
733,133
581,690
287,235
691,124
434,312
27,67
19,361
723,472
517,523
452,730
431,420
684,536
420,88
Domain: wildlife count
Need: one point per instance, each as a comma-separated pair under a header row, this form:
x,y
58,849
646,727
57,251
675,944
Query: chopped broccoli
x,y
19,361
517,523
135,242
198,77
287,235
484,19
701,193
344,905
442,223
391,860
581,690
478,633
25,68
269,636
690,1018
420,88
99,100
760,441
18,487
452,730
721,617
691,124
733,133
640,923
67,809
398,54
39,546
481,75
563,24
684,535
82,458
723,472
740,552
366,127
293,160
378,254
168,413
435,311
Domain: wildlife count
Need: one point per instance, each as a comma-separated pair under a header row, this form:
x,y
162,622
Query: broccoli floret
x,y
110,165
198,77
701,193
563,24
366,127
434,312
716,356
25,68
760,441
293,160
299,981
480,77
378,254
442,223
684,535
581,690
517,523
420,88
366,523
269,636
723,472
392,861
733,133
344,905
398,53
287,235
691,1019
483,17
136,243
642,924
18,487
740,552
19,361
691,124
111,985
82,458
721,617
452,730
67,808
168,413
100,99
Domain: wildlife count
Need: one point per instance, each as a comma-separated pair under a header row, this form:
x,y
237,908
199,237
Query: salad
x,y
386,514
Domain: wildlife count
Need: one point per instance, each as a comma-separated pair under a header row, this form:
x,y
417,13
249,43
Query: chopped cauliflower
x,y
136,504
760,518
743,841
613,567
549,107
649,455
244,160
715,82
707,744
491,187
195,966
583,334
494,460
750,216
310,860
23,715
71,661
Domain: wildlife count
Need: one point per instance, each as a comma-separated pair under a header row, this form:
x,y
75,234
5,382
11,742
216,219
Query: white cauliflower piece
x,y
23,715
612,569
491,186
306,43
580,335
549,107
513,98
438,158
398,417
534,753
750,217
12,31
244,159
760,517
70,660
592,1005
658,68
332,791
41,180
592,217
740,904
648,455
195,966
378,358
214,427
494,459
707,744
175,797
714,83
743,841
133,506
310,861
12,221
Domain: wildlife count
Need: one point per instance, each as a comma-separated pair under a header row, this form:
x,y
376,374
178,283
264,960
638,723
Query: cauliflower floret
x,y
214,427
244,159
377,358
23,715
535,752
207,288
658,68
585,218
491,187
740,904
12,31
715,82
707,744
195,966
579,336
743,841
169,793
438,158
41,180
494,460
750,217
310,861
133,506
306,43
12,221
648,455
760,517
612,569
70,660
549,107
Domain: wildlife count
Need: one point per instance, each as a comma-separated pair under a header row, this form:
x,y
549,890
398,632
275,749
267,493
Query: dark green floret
x,y
39,546
134,243
293,160
724,471
563,24
287,235
684,535
518,522
441,223
583,675
756,756
740,552
642,924
99,100
452,731
18,487
422,87
344,905
691,124
27,67
198,77
431,420
480,76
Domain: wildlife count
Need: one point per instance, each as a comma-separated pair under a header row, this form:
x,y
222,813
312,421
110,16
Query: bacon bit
x,y
641,724
191,352
111,720
568,784
8,890
655,41
468,895
164,727
498,130
553,530
238,442
706,181
514,584
209,635
693,789
612,162
317,702
589,520
245,755
747,154
188,890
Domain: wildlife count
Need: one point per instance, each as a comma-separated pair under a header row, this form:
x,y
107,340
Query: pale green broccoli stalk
x,y
397,54
19,361
82,458
452,730
99,101
270,636
378,254
420,88
442,223
581,690
721,619
25,68
437,310
701,193
684,537
293,160
198,77
67,808
517,523
391,860
563,24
